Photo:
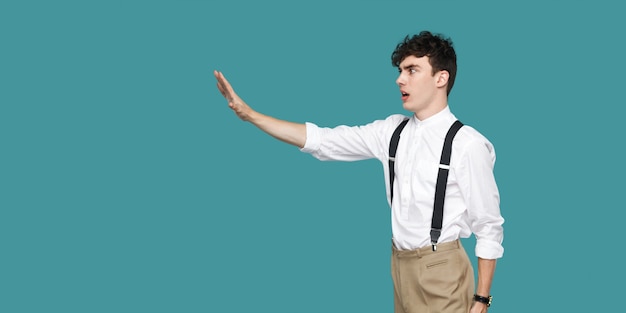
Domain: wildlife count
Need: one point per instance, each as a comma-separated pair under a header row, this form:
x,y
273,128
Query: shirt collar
x,y
444,115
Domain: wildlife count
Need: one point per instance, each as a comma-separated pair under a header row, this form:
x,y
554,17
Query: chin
x,y
407,106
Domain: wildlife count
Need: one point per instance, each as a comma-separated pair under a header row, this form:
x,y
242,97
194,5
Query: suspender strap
x,y
393,146
442,181
442,176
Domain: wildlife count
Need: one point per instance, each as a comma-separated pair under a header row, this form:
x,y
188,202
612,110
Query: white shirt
x,y
472,203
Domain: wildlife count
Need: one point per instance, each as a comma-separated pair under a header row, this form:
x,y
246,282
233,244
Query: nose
x,y
400,81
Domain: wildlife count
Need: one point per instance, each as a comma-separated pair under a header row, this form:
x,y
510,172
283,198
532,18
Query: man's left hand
x,y
478,308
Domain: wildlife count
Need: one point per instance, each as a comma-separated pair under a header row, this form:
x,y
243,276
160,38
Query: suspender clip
x,y
434,236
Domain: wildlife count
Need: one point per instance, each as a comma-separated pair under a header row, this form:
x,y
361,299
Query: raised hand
x,y
289,132
242,110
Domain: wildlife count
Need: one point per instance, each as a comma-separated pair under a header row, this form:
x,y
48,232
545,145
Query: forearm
x,y
289,132
486,270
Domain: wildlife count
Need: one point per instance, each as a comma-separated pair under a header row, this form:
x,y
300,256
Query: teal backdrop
x,y
128,185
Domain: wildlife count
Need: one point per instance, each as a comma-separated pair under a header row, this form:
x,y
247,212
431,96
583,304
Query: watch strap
x,y
485,300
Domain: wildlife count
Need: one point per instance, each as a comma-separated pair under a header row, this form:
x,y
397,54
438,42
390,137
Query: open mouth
x,y
404,95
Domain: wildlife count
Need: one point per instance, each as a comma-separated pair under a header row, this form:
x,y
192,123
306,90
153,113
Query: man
x,y
431,271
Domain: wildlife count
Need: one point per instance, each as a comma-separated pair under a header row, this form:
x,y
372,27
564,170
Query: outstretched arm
x,y
289,132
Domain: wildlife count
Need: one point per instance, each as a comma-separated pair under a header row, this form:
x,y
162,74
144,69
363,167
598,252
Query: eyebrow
x,y
410,66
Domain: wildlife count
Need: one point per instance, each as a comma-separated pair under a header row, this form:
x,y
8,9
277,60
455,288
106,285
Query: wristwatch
x,y
485,300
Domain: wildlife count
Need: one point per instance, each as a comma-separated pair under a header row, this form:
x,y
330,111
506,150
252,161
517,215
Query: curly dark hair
x,y
436,47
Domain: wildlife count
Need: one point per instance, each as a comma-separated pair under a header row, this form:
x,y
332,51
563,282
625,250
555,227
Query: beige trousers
x,y
426,281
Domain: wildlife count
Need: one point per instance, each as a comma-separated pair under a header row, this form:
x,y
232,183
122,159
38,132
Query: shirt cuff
x,y
313,140
488,249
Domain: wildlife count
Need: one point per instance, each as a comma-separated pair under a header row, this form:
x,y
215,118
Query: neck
x,y
431,110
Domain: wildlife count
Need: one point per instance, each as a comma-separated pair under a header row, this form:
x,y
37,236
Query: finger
x,y
221,86
222,79
221,90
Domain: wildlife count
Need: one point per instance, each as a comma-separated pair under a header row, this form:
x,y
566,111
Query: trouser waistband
x,y
456,244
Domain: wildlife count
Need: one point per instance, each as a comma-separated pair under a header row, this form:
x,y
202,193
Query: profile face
x,y
418,85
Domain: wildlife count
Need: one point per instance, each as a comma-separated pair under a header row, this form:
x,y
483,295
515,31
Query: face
x,y
419,88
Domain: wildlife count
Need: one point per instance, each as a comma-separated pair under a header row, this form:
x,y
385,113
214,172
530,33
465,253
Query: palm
x,y
234,102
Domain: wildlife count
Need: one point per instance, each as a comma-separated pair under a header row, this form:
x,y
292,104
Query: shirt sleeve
x,y
478,186
312,143
350,143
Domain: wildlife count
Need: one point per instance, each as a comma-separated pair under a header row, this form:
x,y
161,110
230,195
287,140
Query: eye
x,y
412,71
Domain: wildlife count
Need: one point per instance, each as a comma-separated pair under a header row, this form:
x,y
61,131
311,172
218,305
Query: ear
x,y
442,78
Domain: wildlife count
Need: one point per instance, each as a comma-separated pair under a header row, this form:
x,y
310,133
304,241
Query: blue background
x,y
128,185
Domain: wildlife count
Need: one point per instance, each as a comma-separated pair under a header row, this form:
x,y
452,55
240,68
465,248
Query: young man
x,y
430,269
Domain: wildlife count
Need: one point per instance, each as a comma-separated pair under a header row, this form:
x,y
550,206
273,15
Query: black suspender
x,y
442,176
442,181
393,146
